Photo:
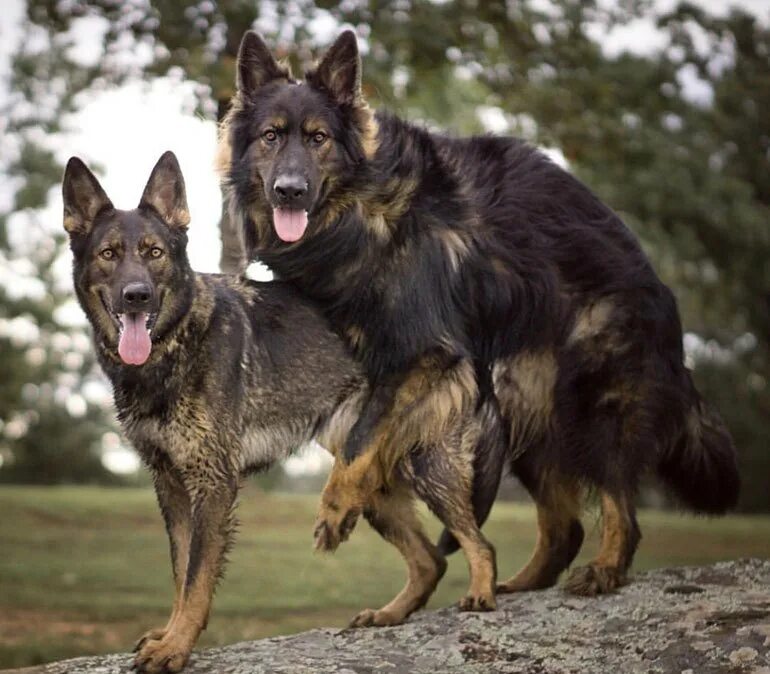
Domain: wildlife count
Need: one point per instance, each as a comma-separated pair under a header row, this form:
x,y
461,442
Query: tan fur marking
x,y
455,244
426,405
223,159
277,122
71,223
499,267
607,571
378,226
623,394
355,336
390,200
188,620
334,433
370,129
481,565
615,532
560,503
347,490
591,319
313,125
524,386
402,528
180,216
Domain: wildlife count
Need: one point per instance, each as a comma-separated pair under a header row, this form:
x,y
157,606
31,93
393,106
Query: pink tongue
x,y
134,345
289,224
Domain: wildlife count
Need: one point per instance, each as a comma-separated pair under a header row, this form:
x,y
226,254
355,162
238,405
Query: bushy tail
x,y
488,465
701,467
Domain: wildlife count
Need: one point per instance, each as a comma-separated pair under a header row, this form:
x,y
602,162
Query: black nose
x,y
137,296
290,188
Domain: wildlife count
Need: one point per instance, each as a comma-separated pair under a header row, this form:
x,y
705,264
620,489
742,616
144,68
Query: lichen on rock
x,y
702,619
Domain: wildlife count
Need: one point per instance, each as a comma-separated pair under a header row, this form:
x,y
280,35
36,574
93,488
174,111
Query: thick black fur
x,y
489,251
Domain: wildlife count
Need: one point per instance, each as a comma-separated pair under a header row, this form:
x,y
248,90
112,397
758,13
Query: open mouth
x,y
134,341
290,224
134,332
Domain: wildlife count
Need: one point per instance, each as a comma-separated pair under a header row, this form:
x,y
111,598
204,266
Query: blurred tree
x,y
677,140
49,432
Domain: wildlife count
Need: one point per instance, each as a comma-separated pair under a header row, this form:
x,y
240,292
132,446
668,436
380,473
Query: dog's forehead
x,y
293,101
127,226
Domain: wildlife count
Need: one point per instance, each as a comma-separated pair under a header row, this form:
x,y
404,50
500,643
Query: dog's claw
x,y
363,619
323,539
150,635
593,579
477,603
331,530
376,618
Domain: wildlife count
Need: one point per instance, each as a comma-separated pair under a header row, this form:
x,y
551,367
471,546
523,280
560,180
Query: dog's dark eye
x,y
156,252
270,136
319,137
107,254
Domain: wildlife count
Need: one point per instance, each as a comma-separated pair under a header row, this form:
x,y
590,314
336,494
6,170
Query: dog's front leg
x,y
174,502
411,409
351,485
212,496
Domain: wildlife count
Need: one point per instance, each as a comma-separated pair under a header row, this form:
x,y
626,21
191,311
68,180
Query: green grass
x,y
86,570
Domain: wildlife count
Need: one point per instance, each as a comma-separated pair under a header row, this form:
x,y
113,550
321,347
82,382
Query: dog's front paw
x,y
162,656
333,526
379,618
593,579
478,602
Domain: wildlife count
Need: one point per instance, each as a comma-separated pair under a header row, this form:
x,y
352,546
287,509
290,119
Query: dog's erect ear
x,y
84,198
256,65
165,192
339,72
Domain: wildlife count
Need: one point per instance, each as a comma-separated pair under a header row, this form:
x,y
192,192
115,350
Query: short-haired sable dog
x,y
217,376
472,269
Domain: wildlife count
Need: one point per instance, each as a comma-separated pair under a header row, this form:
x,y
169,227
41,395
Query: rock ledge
x,y
690,620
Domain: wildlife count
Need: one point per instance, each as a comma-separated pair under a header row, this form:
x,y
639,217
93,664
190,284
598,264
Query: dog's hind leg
x,y
212,495
392,515
559,535
620,537
174,504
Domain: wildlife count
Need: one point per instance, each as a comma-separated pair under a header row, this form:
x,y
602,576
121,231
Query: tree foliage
x,y
676,139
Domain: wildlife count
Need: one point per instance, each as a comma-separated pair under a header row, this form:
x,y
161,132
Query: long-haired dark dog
x,y
217,376
467,270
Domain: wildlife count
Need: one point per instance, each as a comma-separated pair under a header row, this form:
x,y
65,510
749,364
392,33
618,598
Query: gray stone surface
x,y
684,620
